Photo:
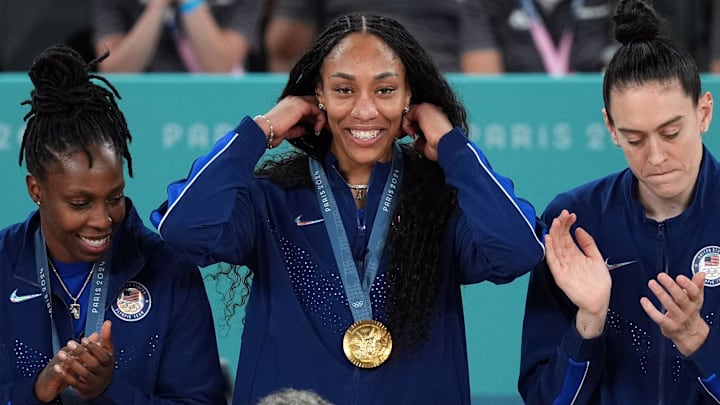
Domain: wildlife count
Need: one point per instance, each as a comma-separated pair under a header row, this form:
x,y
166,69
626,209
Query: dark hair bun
x,y
59,66
635,20
61,79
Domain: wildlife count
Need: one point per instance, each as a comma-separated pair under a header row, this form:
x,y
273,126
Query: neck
x,y
660,209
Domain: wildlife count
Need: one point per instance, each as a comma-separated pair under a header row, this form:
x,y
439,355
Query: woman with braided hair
x,y
100,310
357,242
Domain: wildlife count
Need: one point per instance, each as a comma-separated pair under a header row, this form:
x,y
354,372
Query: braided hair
x,y
70,113
425,200
647,54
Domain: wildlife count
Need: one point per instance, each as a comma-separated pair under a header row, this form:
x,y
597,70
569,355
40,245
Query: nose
x,y
101,218
656,152
364,109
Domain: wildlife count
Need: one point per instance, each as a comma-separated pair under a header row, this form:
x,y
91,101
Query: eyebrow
x,y
664,124
378,76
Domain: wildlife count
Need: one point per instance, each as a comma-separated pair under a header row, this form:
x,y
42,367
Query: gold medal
x,y
367,343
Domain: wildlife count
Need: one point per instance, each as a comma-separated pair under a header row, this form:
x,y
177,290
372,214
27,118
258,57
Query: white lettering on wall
x,y
523,136
196,136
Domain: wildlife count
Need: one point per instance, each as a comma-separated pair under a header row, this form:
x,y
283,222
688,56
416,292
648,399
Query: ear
x,y
34,189
610,127
705,110
319,94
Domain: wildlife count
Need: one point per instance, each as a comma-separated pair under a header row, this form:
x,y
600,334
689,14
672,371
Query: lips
x,y
96,243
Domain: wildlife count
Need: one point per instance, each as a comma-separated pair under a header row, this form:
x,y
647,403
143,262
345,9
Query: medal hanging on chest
x,y
367,343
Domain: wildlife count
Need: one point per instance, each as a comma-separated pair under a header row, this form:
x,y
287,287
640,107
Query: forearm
x,y
133,52
217,50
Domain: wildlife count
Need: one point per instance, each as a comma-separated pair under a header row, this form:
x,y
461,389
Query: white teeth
x,y
96,242
365,135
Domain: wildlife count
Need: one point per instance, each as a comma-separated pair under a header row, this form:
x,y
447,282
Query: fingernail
x,y
72,345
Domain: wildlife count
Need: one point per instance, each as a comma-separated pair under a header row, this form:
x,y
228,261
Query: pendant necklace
x,y
361,190
74,307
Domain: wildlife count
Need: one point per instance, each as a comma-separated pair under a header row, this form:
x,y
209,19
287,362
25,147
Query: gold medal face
x,y
367,343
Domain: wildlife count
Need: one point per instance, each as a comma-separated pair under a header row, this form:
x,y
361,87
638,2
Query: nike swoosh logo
x,y
300,222
14,297
618,265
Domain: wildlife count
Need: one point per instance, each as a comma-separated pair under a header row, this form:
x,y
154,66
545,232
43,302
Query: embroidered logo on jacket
x,y
618,265
133,302
707,260
14,297
299,221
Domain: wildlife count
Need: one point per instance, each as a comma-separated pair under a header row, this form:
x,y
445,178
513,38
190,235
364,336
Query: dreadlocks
x,y
69,112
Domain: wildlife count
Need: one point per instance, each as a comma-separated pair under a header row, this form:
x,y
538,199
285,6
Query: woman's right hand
x,y
290,116
580,272
53,379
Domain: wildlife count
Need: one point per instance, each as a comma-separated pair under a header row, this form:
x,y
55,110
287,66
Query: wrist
x,y
263,122
590,325
188,6
688,345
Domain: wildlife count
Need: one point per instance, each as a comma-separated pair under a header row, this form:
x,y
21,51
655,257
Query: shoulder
x,y
157,253
13,236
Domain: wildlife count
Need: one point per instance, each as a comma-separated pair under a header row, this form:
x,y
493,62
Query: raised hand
x,y
290,116
580,272
433,123
681,321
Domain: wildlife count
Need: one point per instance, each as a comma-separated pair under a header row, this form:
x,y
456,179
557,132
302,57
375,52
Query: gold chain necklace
x,y
74,307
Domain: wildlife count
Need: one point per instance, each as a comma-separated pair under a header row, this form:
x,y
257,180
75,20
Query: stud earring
x,y
406,109
321,106
37,202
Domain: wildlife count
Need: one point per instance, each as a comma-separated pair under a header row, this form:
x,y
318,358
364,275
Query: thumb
x,y
106,336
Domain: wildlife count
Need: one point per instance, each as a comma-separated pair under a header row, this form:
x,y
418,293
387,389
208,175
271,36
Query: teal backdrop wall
x,y
546,134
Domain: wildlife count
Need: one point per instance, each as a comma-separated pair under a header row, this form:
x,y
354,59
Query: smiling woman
x,y
84,258
357,242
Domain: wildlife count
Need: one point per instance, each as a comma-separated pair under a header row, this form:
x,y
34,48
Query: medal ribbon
x,y
95,311
555,60
357,292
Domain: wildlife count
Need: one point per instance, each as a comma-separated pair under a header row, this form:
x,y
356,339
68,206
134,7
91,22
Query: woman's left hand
x,y
93,363
681,321
427,124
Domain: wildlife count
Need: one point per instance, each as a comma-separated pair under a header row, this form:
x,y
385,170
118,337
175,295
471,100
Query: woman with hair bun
x,y
625,308
96,309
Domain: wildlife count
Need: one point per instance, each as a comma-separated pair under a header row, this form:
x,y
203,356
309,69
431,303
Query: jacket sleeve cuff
x,y
707,357
579,349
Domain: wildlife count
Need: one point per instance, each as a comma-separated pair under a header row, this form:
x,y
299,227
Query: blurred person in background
x,y
28,27
558,37
214,36
453,32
